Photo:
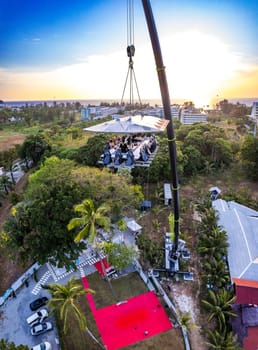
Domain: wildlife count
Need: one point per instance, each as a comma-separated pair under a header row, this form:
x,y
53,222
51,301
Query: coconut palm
x,y
213,243
208,220
219,307
65,301
215,273
90,218
222,340
185,321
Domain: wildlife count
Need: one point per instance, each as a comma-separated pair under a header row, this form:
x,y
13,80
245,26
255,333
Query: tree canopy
x,y
37,227
6,345
249,155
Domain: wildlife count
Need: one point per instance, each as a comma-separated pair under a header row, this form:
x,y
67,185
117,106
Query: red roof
x,y
245,283
251,341
246,291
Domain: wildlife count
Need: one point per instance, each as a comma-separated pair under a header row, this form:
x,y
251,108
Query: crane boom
x,y
167,112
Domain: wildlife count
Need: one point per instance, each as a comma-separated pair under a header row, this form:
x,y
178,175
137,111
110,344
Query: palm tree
x,y
213,243
222,340
216,273
220,307
90,218
185,321
65,301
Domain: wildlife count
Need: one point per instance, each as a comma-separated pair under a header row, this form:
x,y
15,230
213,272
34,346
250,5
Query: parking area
x,y
15,311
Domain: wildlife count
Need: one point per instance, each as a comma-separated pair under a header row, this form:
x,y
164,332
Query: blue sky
x,y
76,49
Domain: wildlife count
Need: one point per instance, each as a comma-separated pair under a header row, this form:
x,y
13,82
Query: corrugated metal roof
x,y
241,225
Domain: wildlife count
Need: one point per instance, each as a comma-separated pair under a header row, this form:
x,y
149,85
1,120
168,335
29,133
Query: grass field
x,y
125,287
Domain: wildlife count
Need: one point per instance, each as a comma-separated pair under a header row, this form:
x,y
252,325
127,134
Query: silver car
x,y
42,346
40,328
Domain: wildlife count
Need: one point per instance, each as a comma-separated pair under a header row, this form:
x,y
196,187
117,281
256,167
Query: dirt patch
x,y
185,301
11,141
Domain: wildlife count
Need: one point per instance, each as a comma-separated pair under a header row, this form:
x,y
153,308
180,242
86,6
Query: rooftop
x,y
241,225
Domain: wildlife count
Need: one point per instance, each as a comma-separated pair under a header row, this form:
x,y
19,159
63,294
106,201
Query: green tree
x,y
213,243
119,255
34,147
194,162
219,306
6,345
65,300
90,218
37,226
6,183
216,274
52,192
91,152
185,321
222,340
249,156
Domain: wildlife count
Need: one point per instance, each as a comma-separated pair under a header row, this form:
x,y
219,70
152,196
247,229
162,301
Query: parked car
x,y
37,317
42,346
40,328
36,304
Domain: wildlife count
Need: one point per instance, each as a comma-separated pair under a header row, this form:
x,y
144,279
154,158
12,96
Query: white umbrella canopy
x,y
131,125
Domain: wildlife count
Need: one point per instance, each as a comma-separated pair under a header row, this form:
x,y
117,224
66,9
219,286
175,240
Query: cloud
x,y
198,67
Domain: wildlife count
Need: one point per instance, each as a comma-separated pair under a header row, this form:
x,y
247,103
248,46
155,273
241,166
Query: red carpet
x,y
99,267
139,317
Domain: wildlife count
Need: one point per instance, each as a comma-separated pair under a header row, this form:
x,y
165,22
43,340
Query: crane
x,y
170,129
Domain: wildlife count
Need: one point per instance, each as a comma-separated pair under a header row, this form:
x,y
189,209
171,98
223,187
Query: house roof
x,y
241,225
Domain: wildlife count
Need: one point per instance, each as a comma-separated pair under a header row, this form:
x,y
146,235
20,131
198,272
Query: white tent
x,y
131,125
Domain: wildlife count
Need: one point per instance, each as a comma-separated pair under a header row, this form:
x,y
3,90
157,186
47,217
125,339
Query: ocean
x,y
247,101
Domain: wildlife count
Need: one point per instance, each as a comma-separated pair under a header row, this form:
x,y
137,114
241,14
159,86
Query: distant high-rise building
x,y
190,116
254,116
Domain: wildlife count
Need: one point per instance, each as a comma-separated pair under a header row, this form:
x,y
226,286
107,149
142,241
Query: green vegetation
x,y
65,173
5,345
37,226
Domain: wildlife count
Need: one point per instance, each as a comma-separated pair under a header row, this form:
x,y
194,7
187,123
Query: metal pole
x,y
167,112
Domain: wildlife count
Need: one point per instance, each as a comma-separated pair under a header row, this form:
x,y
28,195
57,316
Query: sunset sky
x,y
77,49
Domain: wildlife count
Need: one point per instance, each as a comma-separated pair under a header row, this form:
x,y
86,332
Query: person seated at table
x,y
111,143
143,154
153,145
129,140
130,158
118,157
124,147
106,157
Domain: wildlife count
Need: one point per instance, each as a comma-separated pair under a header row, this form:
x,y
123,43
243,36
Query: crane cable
x,y
130,53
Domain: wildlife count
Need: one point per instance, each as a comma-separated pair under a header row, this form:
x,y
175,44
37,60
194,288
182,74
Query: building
x,y
254,116
190,116
241,225
97,112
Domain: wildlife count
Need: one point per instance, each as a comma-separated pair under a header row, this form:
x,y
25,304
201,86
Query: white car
x,y
40,328
37,317
42,346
